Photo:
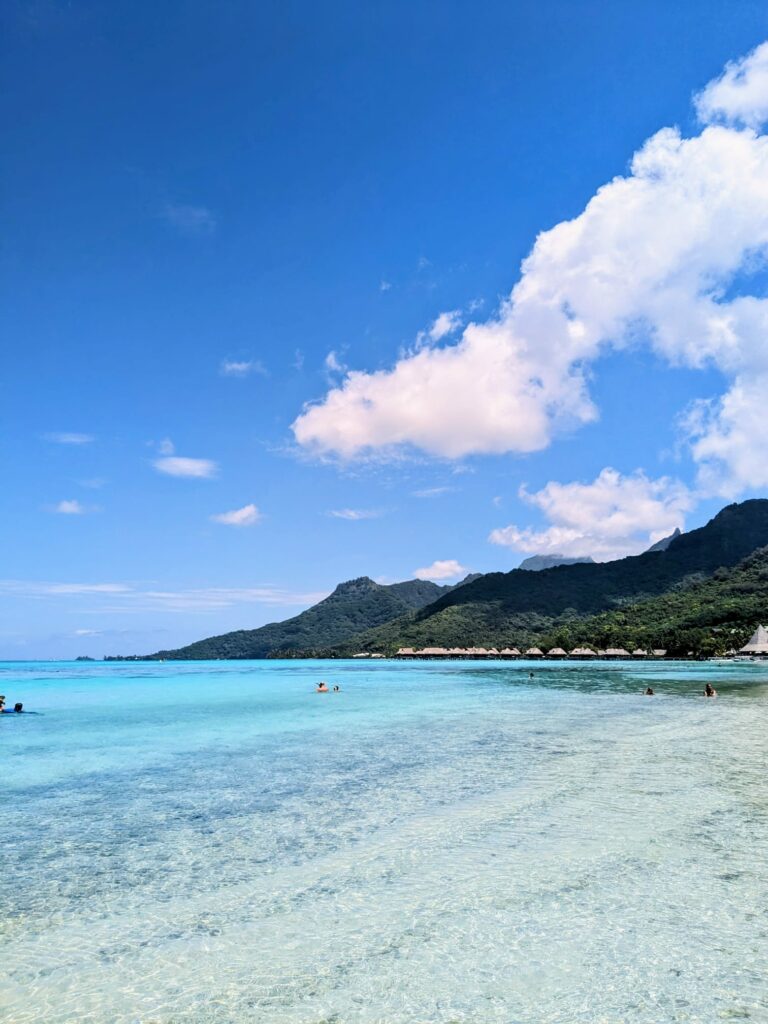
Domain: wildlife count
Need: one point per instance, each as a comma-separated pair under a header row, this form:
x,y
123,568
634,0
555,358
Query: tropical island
x,y
697,594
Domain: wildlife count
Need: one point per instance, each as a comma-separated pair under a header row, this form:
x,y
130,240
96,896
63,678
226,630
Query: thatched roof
x,y
758,644
582,652
557,652
535,652
617,652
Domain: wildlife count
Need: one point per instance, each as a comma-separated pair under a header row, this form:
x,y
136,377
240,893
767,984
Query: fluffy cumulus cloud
x,y
442,569
248,515
740,94
652,259
609,517
70,507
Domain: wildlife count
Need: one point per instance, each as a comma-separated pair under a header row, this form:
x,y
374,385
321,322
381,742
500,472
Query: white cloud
x,y
166,446
354,514
190,220
649,260
333,364
175,465
87,632
385,286
445,324
442,569
70,508
235,368
69,438
124,597
610,517
432,492
248,515
740,94
24,588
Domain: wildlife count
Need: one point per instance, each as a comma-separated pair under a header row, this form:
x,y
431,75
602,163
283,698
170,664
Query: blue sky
x,y
215,212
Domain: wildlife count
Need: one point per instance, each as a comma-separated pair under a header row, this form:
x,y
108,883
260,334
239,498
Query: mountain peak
x,y
535,563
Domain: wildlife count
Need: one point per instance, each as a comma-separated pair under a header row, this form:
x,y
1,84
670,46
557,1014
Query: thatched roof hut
x,y
557,652
534,652
582,652
758,643
616,652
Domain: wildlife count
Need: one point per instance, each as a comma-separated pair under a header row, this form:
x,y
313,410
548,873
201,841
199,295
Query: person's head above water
x,y
18,708
649,692
709,690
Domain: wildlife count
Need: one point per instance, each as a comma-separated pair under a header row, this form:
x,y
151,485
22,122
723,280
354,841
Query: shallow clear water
x,y
214,843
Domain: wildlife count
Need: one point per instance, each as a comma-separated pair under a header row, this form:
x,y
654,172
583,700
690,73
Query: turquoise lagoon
x,y
214,843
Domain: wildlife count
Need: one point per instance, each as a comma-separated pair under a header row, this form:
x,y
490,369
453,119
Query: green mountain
x,y
535,563
521,607
710,617
353,607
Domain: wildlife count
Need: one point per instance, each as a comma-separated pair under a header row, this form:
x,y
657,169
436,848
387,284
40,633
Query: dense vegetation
x,y
521,608
352,608
687,597
706,618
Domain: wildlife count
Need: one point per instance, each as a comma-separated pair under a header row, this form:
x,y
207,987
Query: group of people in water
x,y
17,708
709,691
322,687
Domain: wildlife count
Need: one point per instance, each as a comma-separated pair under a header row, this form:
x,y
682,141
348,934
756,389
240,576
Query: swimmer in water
x,y
322,688
337,688
649,692
710,691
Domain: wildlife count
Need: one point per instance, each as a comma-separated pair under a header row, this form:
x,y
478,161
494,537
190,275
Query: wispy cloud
x,y
441,569
432,492
66,437
248,515
177,465
355,514
124,597
241,368
385,286
190,220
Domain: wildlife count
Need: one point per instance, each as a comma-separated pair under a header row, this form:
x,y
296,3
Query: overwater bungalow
x,y
534,652
583,652
556,652
639,653
510,652
616,652
659,652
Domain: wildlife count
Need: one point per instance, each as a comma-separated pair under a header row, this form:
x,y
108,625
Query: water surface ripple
x,y
213,843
